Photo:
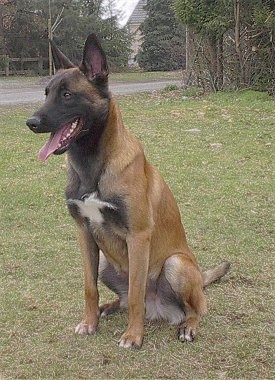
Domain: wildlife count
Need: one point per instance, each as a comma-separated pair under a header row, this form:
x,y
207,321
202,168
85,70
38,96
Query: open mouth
x,y
59,141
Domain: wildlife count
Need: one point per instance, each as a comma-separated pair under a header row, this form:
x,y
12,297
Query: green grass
x,y
216,154
140,76
124,77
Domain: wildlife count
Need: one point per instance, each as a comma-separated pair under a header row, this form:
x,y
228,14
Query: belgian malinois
x,y
129,226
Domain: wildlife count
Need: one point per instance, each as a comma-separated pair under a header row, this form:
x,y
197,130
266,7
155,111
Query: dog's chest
x,y
93,208
104,214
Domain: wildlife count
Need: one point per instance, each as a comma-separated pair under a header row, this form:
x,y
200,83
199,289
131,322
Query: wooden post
x,y
40,65
50,50
50,36
7,66
239,63
51,29
187,53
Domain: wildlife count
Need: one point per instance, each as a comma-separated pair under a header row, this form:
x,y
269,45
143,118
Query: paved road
x,y
16,92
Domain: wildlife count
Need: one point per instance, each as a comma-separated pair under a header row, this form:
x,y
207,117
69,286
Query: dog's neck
x,y
104,133
114,130
116,149
118,144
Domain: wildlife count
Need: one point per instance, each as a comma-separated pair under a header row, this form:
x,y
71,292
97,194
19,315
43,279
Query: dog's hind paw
x,y
109,308
85,329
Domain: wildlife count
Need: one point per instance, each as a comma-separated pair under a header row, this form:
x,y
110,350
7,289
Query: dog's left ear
x,y
59,59
94,63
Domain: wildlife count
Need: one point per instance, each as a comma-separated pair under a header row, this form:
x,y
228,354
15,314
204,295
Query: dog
x,y
129,226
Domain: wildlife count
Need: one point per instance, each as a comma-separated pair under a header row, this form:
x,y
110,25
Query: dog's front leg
x,y
90,255
138,253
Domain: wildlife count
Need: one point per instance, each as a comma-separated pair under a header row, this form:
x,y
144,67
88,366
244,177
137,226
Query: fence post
x,y
40,65
7,65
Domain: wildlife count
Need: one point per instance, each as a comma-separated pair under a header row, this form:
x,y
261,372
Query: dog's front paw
x,y
130,340
84,328
186,333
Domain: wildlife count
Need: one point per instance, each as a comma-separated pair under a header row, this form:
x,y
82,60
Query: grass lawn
x,y
215,152
124,77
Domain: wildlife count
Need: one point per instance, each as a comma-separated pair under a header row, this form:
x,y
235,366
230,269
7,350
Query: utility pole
x,y
50,36
51,29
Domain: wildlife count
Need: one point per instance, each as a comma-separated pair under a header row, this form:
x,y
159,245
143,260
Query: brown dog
x,y
129,226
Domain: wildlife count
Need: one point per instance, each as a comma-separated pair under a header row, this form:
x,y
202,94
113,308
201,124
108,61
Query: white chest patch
x,y
91,207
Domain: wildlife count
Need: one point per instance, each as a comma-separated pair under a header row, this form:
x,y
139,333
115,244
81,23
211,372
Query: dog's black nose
x,y
34,123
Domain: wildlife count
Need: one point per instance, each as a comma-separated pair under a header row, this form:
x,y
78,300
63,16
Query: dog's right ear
x,y
94,63
59,59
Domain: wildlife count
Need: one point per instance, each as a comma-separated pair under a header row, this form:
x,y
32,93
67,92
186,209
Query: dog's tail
x,y
216,273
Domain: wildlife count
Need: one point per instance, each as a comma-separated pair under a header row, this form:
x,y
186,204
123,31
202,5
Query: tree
x,y
87,16
163,47
209,19
257,39
234,41
26,32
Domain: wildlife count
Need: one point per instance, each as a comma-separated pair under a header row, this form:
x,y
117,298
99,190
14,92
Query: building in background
x,y
133,24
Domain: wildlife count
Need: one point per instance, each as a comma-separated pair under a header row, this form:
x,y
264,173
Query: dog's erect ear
x,y
59,59
94,62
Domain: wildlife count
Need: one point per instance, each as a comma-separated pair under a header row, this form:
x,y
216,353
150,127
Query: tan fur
x,y
156,241
129,226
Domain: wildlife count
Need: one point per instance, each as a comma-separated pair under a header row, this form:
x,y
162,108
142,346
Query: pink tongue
x,y
50,145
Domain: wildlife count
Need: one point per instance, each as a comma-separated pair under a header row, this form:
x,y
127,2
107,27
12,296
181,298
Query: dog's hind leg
x,y
117,282
195,309
186,281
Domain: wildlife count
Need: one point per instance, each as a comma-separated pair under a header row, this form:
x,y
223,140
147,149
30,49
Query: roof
x,y
139,14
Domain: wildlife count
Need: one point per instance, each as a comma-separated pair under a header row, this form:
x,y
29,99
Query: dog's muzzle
x,y
35,124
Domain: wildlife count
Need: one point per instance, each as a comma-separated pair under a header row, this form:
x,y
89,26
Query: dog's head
x,y
77,98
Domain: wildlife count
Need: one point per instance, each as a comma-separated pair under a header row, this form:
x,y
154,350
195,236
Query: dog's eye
x,y
46,91
67,95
